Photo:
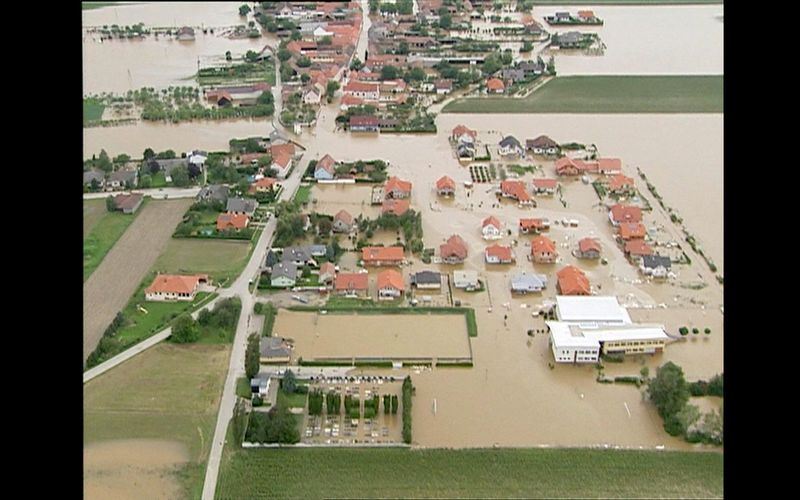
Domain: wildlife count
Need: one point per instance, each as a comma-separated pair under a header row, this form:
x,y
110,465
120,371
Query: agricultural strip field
x,y
469,473
171,397
92,110
608,94
115,280
106,228
221,259
626,2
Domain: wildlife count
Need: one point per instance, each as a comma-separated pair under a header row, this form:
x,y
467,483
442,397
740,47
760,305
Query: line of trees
x,y
108,344
333,403
315,402
408,390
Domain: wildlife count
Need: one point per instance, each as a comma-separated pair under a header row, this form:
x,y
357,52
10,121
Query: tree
x,y
325,40
402,48
389,72
303,62
228,55
325,227
289,383
331,88
94,185
252,356
103,161
492,64
305,78
194,170
251,56
356,64
244,10
445,21
295,36
668,390
122,158
180,176
506,58
185,329
284,55
415,74
111,205
526,46
715,387
266,98
148,154
243,185
272,259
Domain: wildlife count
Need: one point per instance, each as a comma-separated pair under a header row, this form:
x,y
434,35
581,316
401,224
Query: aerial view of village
x,y
403,249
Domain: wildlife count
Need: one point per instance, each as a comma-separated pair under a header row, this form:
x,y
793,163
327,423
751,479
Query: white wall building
x,y
572,343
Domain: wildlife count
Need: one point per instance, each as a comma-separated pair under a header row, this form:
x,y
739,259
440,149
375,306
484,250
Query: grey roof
x,y
259,382
427,278
513,74
169,165
310,27
93,174
541,142
571,37
318,250
531,66
285,269
510,141
273,347
465,150
654,261
123,176
525,281
215,192
296,254
241,205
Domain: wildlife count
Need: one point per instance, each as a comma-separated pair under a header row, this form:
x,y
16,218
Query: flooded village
x,y
501,280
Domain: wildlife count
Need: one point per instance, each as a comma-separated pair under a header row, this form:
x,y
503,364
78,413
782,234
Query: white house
x,y
492,229
311,96
321,32
528,283
573,343
467,280
281,163
284,275
197,158
510,146
169,287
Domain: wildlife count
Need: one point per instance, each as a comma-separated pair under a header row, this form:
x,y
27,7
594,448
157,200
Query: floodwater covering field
x,y
390,336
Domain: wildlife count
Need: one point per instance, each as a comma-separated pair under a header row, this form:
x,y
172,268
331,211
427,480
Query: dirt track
x,y
110,287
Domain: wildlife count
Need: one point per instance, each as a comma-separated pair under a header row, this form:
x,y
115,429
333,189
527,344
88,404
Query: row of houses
x,y
632,237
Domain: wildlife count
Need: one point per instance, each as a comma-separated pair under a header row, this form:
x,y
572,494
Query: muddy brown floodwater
x,y
132,468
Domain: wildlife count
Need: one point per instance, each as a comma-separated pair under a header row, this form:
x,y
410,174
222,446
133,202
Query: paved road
x,y
170,193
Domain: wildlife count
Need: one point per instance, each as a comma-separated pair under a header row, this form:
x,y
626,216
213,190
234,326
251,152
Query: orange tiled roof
x,y
626,213
390,279
351,281
461,129
454,246
395,183
495,84
499,251
344,216
542,244
491,220
445,182
572,281
638,248
327,163
632,230
394,206
531,224
515,189
619,181
587,244
369,254
173,283
545,183
229,220
277,149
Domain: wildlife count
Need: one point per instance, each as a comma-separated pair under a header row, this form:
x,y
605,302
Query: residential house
x,y
632,231
510,146
511,75
572,281
351,284
231,221
657,266
263,185
586,15
342,222
445,186
530,68
543,146
634,249
241,206
284,275
123,179
566,166
516,190
185,34
94,175
274,350
498,254
466,280
460,131
169,165
363,90
588,248
545,186
382,256
300,255
312,95
624,213
454,250
443,87
465,150
197,157
495,86
397,188
569,40
543,250
395,207
128,203
609,166
621,185
282,156
251,158
327,272
427,280
362,123
325,168
239,95
491,228
260,386
390,285
533,226
528,283
167,287
214,192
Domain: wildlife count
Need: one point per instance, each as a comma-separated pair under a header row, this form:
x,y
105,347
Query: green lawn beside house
x,y
144,324
105,233
303,194
608,94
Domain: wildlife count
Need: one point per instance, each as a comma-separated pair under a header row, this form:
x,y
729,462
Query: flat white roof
x,y
592,309
570,335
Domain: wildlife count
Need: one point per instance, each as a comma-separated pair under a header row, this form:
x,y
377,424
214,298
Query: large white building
x,y
591,326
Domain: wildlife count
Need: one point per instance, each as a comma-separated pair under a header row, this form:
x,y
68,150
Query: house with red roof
x,y
609,166
445,186
637,248
491,228
364,123
397,188
232,222
566,166
632,231
543,250
621,185
618,214
533,226
382,256
395,206
364,90
545,186
498,254
263,185
454,250
351,284
588,248
325,168
282,156
516,190
390,285
128,203
166,287
495,86
460,131
327,272
573,281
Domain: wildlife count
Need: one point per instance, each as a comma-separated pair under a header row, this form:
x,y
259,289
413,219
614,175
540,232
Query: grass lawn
x,y
107,230
158,314
293,400
608,94
158,180
471,473
221,259
92,109
93,212
243,388
303,194
170,392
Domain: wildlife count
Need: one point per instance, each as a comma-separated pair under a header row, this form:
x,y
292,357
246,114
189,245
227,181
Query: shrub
x,y
614,357
699,388
257,401
707,331
683,331
257,308
628,380
715,386
695,331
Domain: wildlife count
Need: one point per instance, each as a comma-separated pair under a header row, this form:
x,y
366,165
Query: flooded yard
x,y
354,198
346,336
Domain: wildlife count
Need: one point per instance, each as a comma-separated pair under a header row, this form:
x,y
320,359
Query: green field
x,y
239,72
608,94
471,473
92,110
105,233
303,194
221,259
170,392
93,212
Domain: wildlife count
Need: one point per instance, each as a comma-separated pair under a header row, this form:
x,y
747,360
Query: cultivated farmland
x,y
110,287
93,211
106,228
